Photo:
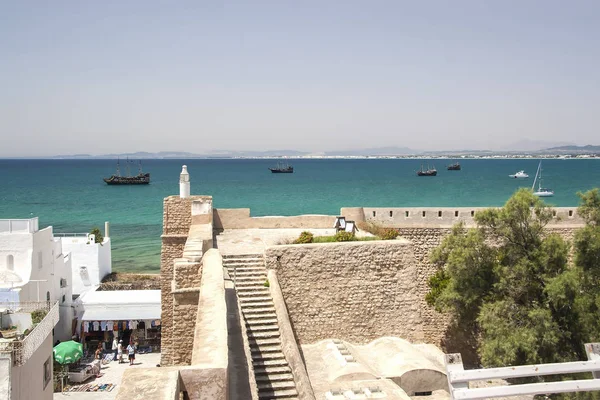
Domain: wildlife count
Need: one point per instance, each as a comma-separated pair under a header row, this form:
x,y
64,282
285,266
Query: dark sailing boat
x,y
139,179
454,167
427,172
282,169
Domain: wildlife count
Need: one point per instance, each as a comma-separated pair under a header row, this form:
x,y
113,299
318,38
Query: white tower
x,y
184,183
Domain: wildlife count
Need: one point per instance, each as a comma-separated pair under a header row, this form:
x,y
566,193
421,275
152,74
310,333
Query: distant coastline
x,y
560,152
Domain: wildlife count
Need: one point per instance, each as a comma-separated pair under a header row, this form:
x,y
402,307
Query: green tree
x,y
508,281
98,238
587,264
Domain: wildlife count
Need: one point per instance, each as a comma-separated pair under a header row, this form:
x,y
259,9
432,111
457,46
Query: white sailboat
x,y
541,192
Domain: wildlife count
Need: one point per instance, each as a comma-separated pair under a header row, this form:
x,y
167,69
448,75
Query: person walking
x,y
131,352
115,348
120,351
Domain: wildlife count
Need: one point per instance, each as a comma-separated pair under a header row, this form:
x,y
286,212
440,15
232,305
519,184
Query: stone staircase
x,y
272,373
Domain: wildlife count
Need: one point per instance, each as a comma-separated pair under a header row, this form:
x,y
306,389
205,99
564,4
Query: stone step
x,y
278,385
277,394
267,356
261,315
256,310
254,255
254,289
263,335
248,283
280,362
256,322
257,357
246,301
272,370
248,274
244,263
262,328
273,377
264,342
265,349
257,304
252,292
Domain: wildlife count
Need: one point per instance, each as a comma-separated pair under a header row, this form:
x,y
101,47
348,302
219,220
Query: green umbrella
x,y
67,352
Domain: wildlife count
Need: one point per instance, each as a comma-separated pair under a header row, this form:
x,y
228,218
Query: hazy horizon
x,y
100,78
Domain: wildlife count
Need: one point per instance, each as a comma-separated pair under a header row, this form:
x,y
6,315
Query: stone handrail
x,y
288,341
210,337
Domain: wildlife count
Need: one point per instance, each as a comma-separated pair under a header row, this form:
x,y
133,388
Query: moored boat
x,y
282,169
541,191
427,172
140,179
519,175
454,167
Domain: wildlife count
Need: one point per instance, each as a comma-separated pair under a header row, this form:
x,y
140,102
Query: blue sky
x,y
97,77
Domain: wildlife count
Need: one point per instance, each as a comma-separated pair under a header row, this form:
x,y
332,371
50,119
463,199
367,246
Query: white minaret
x,y
184,183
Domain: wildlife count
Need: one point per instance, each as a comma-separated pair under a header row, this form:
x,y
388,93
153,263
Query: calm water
x,y
71,196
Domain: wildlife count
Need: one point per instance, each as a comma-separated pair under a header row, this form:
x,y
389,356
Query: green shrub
x,y
98,238
305,237
344,237
389,234
267,284
38,315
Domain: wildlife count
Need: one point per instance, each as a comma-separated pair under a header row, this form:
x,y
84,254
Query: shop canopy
x,y
120,305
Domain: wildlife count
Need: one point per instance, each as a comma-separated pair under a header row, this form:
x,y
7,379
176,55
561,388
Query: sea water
x,y
71,196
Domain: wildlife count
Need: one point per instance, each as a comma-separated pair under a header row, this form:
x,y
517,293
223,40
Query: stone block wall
x,y
360,291
354,291
177,221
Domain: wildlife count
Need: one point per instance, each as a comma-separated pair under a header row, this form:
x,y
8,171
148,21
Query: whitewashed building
x,y
90,261
26,360
33,268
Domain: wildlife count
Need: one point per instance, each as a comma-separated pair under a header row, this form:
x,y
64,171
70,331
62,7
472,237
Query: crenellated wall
x,y
440,217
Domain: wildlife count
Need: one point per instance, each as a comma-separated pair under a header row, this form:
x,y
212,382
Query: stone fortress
x,y
247,317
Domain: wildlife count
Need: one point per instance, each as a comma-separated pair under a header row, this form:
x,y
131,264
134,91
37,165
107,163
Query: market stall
x,y
128,315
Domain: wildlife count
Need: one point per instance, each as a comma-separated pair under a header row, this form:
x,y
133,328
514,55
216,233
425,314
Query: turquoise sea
x,y
71,196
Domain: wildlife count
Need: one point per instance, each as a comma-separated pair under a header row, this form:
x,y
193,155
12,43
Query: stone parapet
x,y
288,341
210,336
239,218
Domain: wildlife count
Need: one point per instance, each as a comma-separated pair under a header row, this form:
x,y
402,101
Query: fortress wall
x,y
436,217
360,291
239,218
177,219
354,291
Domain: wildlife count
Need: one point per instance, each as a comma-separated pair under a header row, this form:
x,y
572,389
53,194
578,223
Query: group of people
x,y
117,349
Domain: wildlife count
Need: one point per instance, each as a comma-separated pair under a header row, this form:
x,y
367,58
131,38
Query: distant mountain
x,y
377,151
182,154
578,149
533,145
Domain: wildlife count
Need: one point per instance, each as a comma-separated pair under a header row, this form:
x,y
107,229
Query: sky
x,y
199,76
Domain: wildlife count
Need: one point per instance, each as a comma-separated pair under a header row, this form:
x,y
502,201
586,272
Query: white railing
x,y
26,306
67,234
459,378
22,350
30,225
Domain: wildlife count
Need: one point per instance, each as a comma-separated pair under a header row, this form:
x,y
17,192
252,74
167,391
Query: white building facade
x,y
90,261
33,268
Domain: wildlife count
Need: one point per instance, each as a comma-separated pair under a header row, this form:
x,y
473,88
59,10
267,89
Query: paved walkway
x,y
112,373
254,241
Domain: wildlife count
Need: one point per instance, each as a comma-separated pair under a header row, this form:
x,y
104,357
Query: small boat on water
x,y
427,172
140,179
519,175
454,167
542,191
282,169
